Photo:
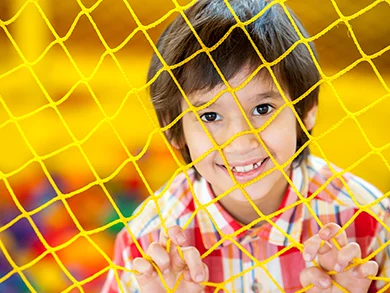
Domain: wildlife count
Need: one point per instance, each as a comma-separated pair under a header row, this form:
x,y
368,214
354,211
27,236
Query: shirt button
x,y
256,287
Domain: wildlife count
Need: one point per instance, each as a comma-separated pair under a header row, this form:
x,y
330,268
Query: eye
x,y
210,117
262,109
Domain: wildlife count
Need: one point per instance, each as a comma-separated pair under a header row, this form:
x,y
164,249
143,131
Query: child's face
x,y
245,154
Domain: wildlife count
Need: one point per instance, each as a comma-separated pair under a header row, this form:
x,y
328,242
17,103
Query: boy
x,y
264,172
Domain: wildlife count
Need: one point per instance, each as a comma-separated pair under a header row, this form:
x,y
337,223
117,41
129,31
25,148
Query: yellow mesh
x,y
182,168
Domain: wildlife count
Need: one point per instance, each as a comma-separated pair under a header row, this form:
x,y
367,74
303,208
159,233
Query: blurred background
x,y
56,70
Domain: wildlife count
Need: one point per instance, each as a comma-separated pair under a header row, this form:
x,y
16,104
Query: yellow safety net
x,y
144,29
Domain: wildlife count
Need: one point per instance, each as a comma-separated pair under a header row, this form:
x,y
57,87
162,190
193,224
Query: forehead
x,y
260,84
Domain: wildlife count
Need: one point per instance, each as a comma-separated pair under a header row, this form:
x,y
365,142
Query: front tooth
x,y
243,168
240,169
248,168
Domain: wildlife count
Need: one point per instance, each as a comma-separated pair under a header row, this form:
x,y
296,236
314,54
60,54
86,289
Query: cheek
x,y
281,135
196,139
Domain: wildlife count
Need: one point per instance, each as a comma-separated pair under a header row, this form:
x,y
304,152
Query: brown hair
x,y
272,33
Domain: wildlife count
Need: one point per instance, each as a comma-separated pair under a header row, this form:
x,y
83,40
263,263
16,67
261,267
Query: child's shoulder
x,y
171,204
335,186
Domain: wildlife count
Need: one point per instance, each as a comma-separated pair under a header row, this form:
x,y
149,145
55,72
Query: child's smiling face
x,y
245,155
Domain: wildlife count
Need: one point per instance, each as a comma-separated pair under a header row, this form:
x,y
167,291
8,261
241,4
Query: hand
x,y
171,265
330,258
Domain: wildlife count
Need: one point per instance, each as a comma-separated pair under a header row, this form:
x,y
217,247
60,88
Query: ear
x,y
168,134
310,118
174,144
177,143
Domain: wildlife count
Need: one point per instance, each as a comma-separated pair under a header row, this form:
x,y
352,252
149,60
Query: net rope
x,y
62,197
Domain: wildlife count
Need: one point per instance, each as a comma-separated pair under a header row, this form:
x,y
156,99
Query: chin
x,y
254,192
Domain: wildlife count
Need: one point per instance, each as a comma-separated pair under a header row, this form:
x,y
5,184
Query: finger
x,y
369,268
195,264
313,246
175,233
178,263
163,238
160,256
145,271
187,275
346,255
332,230
315,276
179,238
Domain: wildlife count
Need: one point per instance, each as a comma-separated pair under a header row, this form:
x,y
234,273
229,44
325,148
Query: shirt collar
x,y
289,221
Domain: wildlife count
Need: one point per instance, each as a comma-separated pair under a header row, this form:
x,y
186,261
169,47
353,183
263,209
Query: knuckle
x,y
308,242
190,254
137,260
351,247
354,246
312,244
176,233
312,273
137,263
333,226
325,248
164,260
303,276
373,267
330,230
174,229
158,254
142,265
312,240
349,251
154,247
193,251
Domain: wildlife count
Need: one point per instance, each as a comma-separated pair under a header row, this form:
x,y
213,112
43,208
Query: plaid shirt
x,y
227,261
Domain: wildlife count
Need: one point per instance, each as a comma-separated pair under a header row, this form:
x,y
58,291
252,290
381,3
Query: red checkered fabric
x,y
227,260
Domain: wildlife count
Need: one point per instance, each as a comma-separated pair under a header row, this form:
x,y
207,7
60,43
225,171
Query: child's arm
x,y
331,259
171,265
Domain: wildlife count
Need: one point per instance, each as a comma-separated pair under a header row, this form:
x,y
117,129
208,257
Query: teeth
x,y
242,169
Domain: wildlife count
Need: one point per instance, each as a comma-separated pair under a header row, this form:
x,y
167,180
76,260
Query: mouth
x,y
247,172
246,168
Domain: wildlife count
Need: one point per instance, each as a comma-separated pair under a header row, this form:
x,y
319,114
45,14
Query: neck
x,y
245,213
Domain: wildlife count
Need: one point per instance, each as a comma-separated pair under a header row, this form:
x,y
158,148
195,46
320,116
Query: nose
x,y
244,143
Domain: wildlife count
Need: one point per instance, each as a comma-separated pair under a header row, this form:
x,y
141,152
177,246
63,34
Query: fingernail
x,y
181,238
337,268
307,257
324,282
166,272
325,232
199,277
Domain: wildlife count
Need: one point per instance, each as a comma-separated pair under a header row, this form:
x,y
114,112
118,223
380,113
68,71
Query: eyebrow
x,y
267,95
255,98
